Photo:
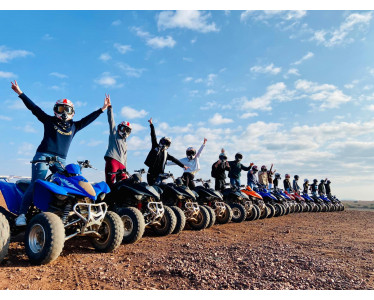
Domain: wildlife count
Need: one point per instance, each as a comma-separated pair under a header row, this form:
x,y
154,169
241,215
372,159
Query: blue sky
x,y
293,88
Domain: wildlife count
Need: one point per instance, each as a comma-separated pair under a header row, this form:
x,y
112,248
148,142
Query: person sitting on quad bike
x,y
59,131
270,176
305,186
321,187
116,154
236,168
218,171
191,161
287,183
157,157
263,177
276,180
295,184
252,177
328,188
314,187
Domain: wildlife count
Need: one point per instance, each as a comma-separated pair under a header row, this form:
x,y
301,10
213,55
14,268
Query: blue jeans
x,y
235,182
38,171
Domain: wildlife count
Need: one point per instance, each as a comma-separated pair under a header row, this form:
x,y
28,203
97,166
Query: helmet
x,y
287,176
222,156
328,181
322,180
263,168
254,168
124,129
64,109
238,156
165,142
296,177
191,152
277,175
306,180
315,180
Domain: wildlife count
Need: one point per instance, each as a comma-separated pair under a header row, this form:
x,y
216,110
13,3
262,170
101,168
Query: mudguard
x,y
101,187
10,197
44,192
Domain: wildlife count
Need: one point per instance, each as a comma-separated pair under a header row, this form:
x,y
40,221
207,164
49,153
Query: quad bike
x,y
320,203
338,204
264,211
183,202
242,207
297,206
313,207
301,201
66,205
213,200
275,205
139,206
328,202
286,200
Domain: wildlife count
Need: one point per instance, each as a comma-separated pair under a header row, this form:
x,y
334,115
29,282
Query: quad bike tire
x,y
226,217
44,238
180,219
319,207
168,223
239,213
111,231
306,207
4,236
272,210
264,214
258,211
278,210
287,209
212,215
202,221
133,224
253,215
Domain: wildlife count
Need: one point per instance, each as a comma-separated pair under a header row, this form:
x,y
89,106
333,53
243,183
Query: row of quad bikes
x,y
66,205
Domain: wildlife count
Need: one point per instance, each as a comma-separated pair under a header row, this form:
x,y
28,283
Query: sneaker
x,y
21,220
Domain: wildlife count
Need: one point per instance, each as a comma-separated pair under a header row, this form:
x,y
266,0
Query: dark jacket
x,y
314,187
157,157
321,188
275,182
305,186
295,185
220,169
57,134
236,169
328,188
287,184
251,178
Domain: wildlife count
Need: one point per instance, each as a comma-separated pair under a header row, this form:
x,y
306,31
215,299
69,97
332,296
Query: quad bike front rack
x,y
156,212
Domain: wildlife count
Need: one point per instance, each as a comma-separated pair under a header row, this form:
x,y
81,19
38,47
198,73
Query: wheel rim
x,y
37,238
104,231
236,213
128,225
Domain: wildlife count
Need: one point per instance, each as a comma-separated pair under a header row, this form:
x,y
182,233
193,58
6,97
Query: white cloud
x,y
105,57
217,119
293,71
265,15
122,48
26,149
5,118
307,56
7,55
266,69
116,23
160,42
7,75
248,115
370,107
58,75
47,37
187,79
189,19
107,80
346,31
132,113
130,71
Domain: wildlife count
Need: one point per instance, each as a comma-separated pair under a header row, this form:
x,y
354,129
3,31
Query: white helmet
x,y
124,129
64,109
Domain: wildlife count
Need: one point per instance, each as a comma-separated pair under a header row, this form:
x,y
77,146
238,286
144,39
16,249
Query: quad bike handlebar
x,y
85,164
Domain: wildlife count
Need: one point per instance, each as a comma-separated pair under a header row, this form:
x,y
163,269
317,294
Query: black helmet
x,y
255,169
179,181
315,180
165,142
238,156
222,156
322,180
277,175
328,181
306,180
296,177
190,152
263,168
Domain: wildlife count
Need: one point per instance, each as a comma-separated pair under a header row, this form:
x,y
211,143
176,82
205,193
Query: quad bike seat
x,y
23,184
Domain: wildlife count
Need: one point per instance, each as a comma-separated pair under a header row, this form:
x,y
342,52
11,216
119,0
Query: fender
x,y
101,187
10,197
44,192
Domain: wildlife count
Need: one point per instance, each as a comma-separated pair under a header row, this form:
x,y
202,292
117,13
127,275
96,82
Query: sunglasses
x,y
125,129
191,152
64,108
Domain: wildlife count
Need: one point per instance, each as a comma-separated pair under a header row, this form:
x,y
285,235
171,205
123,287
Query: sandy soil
x,y
299,251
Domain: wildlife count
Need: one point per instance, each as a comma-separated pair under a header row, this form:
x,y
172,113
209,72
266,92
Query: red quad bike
x,y
258,202
301,201
296,206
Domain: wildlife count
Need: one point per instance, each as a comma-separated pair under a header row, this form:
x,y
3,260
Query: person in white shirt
x,y
192,162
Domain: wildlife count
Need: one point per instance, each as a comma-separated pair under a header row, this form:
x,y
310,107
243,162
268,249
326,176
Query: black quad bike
x,y
139,206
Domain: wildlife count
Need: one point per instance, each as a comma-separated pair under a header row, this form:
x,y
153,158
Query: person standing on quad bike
x,y
116,154
305,186
270,176
236,168
321,188
218,171
314,187
287,183
328,188
252,177
263,176
191,161
295,184
59,131
276,180
158,156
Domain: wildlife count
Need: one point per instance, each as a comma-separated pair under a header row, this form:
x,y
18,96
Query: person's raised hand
x,y
150,121
106,102
205,140
16,88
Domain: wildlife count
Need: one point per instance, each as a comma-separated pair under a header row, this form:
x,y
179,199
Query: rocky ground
x,y
299,251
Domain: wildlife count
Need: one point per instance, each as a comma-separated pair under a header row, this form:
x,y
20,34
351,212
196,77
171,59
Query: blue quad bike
x,y
66,205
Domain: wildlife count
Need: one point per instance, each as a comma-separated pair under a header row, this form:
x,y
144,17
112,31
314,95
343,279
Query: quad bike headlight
x,y
101,197
138,197
61,197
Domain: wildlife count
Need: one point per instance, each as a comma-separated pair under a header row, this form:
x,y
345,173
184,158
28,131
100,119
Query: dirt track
x,y
298,251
